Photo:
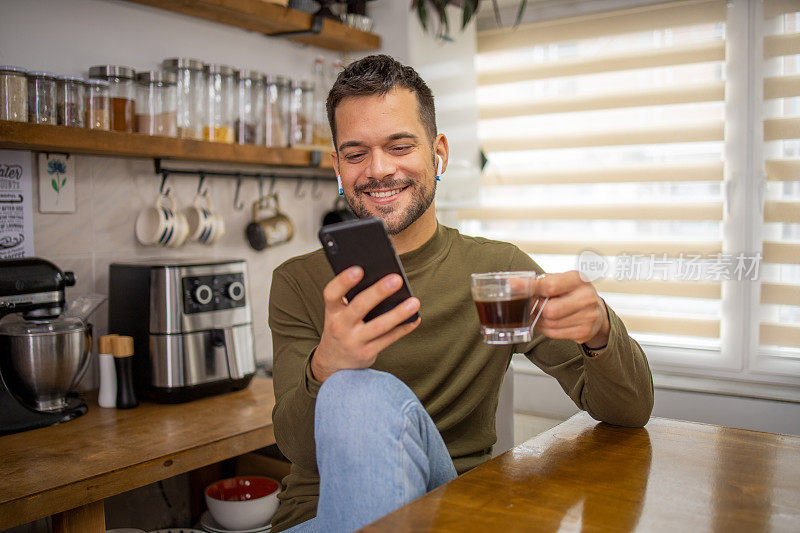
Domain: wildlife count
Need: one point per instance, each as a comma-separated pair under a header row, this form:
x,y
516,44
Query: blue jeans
x,y
377,449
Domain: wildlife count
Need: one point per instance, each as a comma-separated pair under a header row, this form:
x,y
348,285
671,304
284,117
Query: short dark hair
x,y
377,75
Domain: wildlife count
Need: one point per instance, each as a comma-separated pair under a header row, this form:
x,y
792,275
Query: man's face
x,y
385,158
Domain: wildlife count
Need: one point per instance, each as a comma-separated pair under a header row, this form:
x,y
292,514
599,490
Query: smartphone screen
x,y
365,243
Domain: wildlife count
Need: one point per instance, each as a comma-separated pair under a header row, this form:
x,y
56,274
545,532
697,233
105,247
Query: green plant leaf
x,y
470,7
521,11
63,182
422,13
54,184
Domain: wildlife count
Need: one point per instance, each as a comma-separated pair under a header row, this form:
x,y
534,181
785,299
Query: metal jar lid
x,y
97,83
224,70
251,75
9,69
156,77
111,71
278,80
71,78
303,85
40,74
180,63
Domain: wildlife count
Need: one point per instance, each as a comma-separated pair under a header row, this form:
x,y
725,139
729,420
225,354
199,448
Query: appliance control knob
x,y
236,291
203,294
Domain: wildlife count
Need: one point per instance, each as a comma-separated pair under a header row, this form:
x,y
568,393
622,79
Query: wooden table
x,y
68,469
586,476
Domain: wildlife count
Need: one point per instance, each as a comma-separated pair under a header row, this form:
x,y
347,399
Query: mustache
x,y
377,185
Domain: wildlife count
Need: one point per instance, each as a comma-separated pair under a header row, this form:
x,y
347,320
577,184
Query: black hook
x,y
164,176
260,187
237,204
298,189
200,183
272,185
315,192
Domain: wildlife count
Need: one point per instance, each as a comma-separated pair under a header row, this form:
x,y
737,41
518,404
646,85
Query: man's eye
x,y
354,157
401,149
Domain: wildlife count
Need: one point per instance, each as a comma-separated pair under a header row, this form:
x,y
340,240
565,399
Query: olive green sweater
x,y
453,373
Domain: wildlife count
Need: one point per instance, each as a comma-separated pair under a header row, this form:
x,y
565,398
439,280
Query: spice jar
x,y
13,94
71,101
156,103
41,98
221,103
121,94
190,93
98,116
250,124
302,112
277,96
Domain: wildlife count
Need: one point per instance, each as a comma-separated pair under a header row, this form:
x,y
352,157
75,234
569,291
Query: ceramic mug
x,y
204,226
270,226
156,225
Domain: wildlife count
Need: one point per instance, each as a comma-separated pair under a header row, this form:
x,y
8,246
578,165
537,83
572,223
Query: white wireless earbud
x,y
438,166
339,181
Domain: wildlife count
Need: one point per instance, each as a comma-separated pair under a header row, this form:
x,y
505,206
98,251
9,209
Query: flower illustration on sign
x,y
56,168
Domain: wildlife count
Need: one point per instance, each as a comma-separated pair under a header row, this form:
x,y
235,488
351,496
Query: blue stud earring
x,y
339,181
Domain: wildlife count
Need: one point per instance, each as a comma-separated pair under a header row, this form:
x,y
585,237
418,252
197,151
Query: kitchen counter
x,y
583,475
68,469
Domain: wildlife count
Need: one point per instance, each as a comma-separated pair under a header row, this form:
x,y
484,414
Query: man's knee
x,y
360,397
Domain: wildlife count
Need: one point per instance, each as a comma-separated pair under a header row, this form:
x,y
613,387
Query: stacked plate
x,y
210,525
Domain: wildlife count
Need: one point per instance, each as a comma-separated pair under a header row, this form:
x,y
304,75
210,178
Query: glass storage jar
x,y
221,103
42,98
156,103
250,123
190,93
71,101
98,114
276,111
13,94
302,113
121,94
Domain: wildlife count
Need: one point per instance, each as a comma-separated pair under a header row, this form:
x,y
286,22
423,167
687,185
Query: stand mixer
x,y
44,348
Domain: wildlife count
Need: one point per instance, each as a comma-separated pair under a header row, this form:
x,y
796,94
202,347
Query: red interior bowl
x,y
242,488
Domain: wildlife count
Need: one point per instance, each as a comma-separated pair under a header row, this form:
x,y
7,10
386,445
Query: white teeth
x,y
384,194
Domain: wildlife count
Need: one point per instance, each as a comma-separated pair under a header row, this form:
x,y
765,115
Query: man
x,y
374,414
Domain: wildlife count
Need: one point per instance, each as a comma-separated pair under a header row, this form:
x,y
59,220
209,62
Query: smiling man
x,y
374,414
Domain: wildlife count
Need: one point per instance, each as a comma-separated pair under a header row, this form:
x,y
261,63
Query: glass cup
x,y
506,303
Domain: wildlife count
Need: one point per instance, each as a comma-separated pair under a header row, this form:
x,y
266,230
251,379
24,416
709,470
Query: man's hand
x,y
575,311
349,342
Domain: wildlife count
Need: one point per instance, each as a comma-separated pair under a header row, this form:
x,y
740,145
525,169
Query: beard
x,y
396,219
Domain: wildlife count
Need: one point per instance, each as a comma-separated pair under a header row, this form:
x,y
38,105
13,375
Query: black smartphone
x,y
365,242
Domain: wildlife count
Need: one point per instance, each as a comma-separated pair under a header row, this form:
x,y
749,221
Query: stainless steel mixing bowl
x,y
41,368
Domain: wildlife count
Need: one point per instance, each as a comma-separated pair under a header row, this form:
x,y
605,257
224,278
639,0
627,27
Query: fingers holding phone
x,y
348,342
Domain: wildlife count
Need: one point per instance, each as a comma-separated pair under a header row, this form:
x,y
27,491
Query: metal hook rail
x,y
260,176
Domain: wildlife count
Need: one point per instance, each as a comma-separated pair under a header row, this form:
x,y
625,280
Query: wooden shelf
x,y
268,18
42,138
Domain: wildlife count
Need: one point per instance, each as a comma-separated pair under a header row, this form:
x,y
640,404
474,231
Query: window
x,y
779,329
625,141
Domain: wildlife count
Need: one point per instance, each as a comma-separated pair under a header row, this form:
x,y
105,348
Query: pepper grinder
x,y
107,397
122,346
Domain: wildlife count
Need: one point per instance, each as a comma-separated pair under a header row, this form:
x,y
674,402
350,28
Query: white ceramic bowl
x,y
243,502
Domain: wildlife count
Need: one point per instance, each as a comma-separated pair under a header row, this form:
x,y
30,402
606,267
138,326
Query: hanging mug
x,y
205,226
269,227
157,225
340,212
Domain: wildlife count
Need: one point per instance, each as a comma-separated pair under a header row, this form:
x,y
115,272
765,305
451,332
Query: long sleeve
x,y
615,386
294,338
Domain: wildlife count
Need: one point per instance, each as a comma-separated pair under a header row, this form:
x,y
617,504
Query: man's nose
x,y
381,165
